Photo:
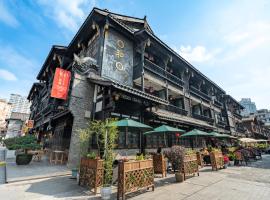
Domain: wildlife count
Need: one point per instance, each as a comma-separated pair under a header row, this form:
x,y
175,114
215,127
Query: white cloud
x,y
6,75
247,38
6,16
24,66
68,14
196,54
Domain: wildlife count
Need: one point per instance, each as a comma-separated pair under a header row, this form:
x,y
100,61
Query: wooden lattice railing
x,y
159,164
91,173
190,165
217,160
133,176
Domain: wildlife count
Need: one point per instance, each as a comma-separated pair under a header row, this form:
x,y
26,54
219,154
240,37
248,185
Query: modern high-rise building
x,y
249,107
20,104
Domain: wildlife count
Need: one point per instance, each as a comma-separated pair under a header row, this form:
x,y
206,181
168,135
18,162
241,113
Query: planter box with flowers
x,y
91,173
190,165
134,176
217,159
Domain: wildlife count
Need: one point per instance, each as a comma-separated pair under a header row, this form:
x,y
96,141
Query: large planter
x,y
134,176
159,164
179,177
217,160
91,173
23,159
3,173
190,165
106,193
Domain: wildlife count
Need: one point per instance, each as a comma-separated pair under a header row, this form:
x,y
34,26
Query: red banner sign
x,y
60,84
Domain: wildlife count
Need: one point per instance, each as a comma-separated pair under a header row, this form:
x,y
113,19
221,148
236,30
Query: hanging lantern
x,y
177,134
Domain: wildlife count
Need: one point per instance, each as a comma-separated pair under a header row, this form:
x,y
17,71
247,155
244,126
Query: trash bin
x,y
3,174
2,154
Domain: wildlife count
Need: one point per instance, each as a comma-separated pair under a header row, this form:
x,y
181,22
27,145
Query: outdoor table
x,y
57,156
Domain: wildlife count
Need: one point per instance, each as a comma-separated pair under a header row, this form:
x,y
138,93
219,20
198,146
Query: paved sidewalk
x,y
234,183
34,170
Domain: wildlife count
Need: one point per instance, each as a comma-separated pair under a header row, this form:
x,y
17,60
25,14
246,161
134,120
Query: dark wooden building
x,y
120,68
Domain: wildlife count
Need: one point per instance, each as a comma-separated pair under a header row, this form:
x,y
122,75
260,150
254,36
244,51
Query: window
x,y
130,140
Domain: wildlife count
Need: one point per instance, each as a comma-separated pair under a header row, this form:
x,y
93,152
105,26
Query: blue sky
x,y
229,41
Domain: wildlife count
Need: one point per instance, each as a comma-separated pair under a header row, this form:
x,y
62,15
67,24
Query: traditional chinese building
x,y
120,68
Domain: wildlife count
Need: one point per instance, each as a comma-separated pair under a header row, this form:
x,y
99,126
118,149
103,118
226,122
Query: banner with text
x,y
60,84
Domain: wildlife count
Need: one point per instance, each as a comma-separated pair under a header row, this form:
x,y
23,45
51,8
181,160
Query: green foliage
x,y
28,142
91,155
231,156
190,152
109,136
106,136
140,157
262,146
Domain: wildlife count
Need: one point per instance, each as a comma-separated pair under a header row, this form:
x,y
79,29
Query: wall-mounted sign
x,y
118,58
30,124
60,84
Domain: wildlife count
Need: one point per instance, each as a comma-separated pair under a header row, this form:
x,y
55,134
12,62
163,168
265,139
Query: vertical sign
x,y
118,58
60,84
30,123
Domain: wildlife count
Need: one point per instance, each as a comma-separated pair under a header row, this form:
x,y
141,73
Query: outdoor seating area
x,y
138,173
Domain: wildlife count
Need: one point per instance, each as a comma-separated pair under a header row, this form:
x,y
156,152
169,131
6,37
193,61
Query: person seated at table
x,y
159,149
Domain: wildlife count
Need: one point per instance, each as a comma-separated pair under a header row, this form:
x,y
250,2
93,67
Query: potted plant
x,y
176,157
231,157
22,145
109,135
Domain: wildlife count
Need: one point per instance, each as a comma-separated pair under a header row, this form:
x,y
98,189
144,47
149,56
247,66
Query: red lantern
x,y
177,134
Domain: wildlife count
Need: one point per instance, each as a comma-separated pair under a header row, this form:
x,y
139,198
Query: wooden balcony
x,y
203,118
162,73
199,94
218,103
221,124
174,109
237,115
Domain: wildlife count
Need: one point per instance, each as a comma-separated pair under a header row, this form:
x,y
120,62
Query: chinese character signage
x,y
118,58
60,84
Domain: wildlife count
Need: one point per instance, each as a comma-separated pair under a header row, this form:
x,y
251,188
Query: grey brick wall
x,y
81,101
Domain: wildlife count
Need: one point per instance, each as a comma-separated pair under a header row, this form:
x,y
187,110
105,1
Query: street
x,y
252,182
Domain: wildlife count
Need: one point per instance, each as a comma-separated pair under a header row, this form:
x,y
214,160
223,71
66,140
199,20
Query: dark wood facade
x,y
122,69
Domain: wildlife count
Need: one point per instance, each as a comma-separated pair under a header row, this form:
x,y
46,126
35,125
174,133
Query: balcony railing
x,y
157,70
222,124
203,118
174,109
218,103
240,129
237,115
199,93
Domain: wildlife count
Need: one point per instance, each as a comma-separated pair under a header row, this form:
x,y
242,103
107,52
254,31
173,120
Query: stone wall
x,y
80,105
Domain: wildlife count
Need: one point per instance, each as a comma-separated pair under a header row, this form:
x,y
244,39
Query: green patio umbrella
x,y
215,134
129,123
164,129
195,133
